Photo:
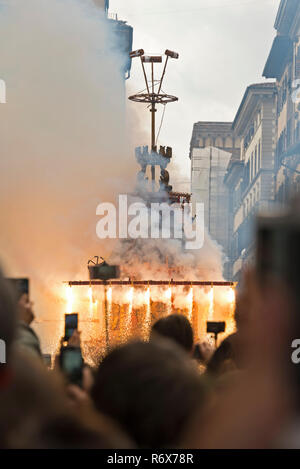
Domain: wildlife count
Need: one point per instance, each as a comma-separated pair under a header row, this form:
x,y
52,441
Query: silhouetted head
x,y
175,327
225,357
35,412
151,389
20,287
8,314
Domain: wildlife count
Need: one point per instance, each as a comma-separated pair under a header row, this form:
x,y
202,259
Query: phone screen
x,y
71,360
71,363
71,324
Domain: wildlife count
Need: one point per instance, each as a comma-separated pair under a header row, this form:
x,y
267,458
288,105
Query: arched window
x,y
201,143
259,156
208,142
228,142
219,142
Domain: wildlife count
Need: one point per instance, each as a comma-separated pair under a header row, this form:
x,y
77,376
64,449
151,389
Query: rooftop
x,y
251,94
285,16
281,50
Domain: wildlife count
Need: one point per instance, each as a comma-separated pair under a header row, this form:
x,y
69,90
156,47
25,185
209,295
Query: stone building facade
x,y
250,180
213,144
214,134
283,64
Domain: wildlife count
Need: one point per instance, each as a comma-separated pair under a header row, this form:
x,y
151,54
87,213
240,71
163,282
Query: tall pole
x,y
153,111
209,189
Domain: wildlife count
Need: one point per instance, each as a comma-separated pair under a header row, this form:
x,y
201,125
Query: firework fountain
x,y
158,277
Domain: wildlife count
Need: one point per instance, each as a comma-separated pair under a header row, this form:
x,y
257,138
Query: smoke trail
x,y
163,259
64,144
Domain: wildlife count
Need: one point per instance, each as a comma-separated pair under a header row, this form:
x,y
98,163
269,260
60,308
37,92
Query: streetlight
x,y
172,54
136,53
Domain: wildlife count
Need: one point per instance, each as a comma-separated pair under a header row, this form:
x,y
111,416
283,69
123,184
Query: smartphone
x,y
71,325
71,364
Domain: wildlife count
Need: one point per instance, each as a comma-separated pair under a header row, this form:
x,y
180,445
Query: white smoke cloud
x,y
64,142
65,147
161,259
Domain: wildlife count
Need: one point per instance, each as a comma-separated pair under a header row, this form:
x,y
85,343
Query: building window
x,y
259,156
259,118
289,133
228,142
297,132
219,142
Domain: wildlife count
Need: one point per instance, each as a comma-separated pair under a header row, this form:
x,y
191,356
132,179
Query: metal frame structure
x,y
142,283
146,283
151,97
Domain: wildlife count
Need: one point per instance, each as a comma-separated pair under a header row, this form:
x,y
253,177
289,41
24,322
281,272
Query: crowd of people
x,y
167,392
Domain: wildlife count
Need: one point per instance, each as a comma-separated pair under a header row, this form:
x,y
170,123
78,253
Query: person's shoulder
x,y
27,336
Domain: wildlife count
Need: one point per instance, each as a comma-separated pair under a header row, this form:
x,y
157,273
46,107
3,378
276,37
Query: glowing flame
x,y
70,299
231,326
168,293
168,297
211,304
90,296
147,296
108,294
129,296
129,299
130,307
231,296
93,303
190,301
148,313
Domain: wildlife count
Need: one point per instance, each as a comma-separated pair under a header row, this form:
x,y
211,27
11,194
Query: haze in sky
x,y
223,47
